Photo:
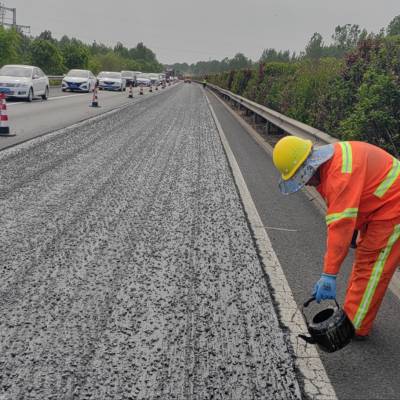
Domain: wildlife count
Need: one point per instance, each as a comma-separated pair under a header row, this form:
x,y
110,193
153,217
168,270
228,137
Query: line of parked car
x,y
83,80
27,82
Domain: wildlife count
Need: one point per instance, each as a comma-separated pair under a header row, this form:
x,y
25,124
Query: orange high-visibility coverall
x,y
361,186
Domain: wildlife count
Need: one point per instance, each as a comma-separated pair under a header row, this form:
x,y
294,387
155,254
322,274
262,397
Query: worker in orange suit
x,y
361,186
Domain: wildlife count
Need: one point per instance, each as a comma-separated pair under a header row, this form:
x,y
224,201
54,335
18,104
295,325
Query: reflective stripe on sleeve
x,y
374,278
347,158
347,213
389,180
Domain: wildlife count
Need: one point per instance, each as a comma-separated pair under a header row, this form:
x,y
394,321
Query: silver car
x,y
111,81
24,82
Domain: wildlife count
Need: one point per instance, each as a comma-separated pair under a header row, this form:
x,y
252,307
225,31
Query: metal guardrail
x,y
56,77
286,124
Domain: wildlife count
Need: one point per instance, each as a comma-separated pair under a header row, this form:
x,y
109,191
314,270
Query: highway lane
x,y
28,120
128,267
54,92
363,370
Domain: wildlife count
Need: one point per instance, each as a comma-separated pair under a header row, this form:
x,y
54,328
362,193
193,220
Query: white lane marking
x,y
317,384
49,99
54,98
273,228
310,192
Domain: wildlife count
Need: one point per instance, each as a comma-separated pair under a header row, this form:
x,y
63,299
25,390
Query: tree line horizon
x,y
349,89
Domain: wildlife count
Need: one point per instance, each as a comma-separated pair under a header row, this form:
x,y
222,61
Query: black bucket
x,y
330,329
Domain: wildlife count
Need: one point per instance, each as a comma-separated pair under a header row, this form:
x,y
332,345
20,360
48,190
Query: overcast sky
x,y
189,30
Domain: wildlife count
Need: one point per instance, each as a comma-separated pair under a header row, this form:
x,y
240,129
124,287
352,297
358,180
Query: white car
x,y
155,79
24,82
111,81
143,79
79,80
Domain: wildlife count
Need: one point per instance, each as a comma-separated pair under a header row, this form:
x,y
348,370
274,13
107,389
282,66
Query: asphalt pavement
x,y
363,370
62,109
128,267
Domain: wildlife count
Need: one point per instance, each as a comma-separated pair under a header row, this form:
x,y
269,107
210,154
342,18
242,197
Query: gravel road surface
x,y
128,268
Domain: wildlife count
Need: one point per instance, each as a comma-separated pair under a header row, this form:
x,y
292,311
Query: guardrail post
x,y
267,128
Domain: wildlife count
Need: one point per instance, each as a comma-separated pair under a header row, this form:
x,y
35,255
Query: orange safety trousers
x,y
376,259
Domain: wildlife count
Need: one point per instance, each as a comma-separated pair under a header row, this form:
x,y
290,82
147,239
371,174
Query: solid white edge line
x,y
49,99
317,384
57,98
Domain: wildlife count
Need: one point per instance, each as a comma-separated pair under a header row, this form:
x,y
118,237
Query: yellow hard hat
x,y
289,154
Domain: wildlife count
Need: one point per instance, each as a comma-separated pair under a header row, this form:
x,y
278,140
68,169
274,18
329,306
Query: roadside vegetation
x,y
58,56
349,88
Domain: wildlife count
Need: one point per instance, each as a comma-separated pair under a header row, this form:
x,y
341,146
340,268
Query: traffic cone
x,y
95,100
4,127
141,89
130,91
151,89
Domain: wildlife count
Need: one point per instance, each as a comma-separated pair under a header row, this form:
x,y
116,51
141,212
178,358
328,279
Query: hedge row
x,y
354,98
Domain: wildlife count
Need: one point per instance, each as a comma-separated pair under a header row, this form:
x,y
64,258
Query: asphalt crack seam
x,y
315,382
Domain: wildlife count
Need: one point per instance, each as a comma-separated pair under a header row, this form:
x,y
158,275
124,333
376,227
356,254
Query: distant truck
x,y
129,77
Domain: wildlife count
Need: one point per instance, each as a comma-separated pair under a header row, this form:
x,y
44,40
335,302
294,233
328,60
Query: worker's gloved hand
x,y
325,288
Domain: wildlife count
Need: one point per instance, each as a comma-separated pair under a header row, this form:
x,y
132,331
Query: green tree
x,y
314,47
271,55
394,26
9,43
347,36
111,62
46,35
76,55
239,61
376,115
47,56
141,52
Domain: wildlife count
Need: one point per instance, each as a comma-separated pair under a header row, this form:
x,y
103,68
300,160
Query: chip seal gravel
x,y
128,268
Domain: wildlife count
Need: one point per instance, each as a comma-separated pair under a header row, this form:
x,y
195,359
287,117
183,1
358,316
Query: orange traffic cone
x,y
141,89
130,91
95,100
4,127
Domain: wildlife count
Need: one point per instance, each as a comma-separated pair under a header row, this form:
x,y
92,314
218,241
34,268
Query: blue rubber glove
x,y
325,288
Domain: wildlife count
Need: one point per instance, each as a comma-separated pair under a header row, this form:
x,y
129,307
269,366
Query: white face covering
x,y
317,157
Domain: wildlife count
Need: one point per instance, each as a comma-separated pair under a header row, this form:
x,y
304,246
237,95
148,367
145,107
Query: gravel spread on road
x,y
128,270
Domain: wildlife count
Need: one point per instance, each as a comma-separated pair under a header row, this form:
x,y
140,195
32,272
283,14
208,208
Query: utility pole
x,y
6,20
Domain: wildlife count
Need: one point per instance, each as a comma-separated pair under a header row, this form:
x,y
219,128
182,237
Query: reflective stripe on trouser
x,y
377,256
